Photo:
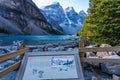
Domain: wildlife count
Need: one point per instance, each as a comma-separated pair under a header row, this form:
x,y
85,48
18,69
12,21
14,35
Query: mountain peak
x,y
82,13
64,20
55,3
69,9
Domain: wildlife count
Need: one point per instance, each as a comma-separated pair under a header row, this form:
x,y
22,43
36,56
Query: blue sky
x,y
77,4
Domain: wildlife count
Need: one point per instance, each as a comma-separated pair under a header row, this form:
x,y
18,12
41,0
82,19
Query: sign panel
x,y
55,65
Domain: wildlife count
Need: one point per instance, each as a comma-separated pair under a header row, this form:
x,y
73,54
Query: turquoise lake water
x,y
7,40
36,37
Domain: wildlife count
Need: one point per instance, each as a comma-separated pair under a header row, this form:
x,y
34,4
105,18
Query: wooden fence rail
x,y
99,60
102,60
11,55
9,69
81,52
100,49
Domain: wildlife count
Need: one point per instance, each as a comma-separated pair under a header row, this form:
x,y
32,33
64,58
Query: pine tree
x,y
103,22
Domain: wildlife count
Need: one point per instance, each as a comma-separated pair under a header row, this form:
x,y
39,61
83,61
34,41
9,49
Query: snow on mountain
x,y
67,18
67,21
54,14
82,15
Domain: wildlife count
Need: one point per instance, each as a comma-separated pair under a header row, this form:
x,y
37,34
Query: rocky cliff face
x,y
67,21
18,17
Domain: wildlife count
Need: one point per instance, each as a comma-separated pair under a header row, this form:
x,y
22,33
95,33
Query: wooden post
x,y
81,54
22,47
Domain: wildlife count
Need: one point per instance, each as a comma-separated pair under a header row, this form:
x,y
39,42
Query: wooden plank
x,y
82,62
22,47
13,54
81,54
9,69
105,49
101,60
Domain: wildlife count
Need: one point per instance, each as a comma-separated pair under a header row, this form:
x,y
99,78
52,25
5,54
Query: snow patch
x,y
67,17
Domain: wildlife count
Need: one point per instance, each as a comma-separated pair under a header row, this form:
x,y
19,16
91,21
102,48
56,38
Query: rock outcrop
x,y
18,17
110,68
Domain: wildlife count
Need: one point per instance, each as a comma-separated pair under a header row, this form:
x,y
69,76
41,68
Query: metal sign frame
x,y
33,59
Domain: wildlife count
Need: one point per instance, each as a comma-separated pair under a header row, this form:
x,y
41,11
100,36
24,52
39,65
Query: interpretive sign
x,y
60,65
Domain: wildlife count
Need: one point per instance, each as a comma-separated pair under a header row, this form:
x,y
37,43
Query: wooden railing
x,y
16,65
81,52
98,60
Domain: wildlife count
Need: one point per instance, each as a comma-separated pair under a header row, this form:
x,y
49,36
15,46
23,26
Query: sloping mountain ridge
x,y
19,17
67,21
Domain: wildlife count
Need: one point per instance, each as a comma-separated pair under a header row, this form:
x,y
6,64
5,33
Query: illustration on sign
x,y
63,63
40,73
